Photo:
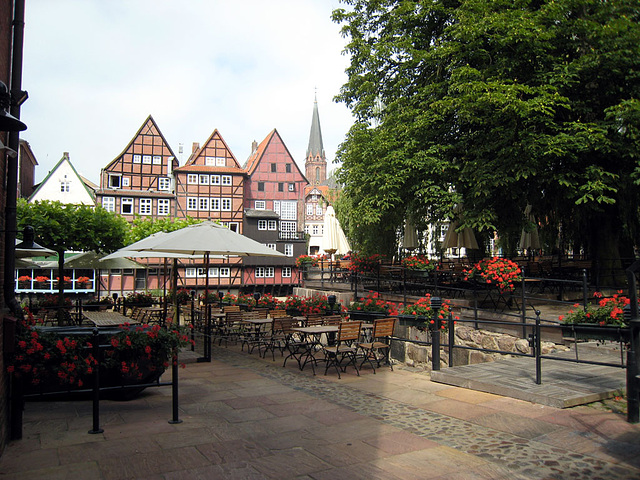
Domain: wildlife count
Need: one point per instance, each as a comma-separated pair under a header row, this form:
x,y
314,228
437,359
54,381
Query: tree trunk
x,y
606,266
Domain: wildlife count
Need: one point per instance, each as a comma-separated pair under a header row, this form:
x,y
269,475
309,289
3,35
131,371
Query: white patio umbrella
x,y
206,238
333,238
529,238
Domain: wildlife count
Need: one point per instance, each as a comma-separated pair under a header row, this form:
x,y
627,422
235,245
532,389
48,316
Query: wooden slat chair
x,y
281,330
332,320
278,313
379,347
247,333
313,321
230,308
344,348
230,327
295,343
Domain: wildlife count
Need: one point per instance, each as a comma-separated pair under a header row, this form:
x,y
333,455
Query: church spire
x,y
315,148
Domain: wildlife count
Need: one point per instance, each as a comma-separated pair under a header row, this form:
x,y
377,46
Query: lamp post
x,y
436,304
220,297
331,299
256,297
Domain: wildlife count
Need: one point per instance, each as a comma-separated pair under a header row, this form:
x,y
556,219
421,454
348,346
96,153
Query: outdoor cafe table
x,y
313,339
256,330
107,319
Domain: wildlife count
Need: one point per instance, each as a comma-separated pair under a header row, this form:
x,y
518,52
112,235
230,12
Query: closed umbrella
x,y
463,239
529,237
410,237
333,238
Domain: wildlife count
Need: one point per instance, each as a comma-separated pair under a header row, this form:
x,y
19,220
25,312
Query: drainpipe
x,y
12,164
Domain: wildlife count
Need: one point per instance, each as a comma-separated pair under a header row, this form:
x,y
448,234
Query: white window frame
x,y
288,227
260,205
145,206
226,180
225,204
163,206
125,181
315,228
288,210
265,272
262,224
137,158
292,187
115,185
215,205
109,204
192,203
221,162
272,225
146,159
157,160
215,179
288,249
286,272
164,184
126,201
272,246
319,210
203,203
190,272
309,209
192,179
203,179
209,161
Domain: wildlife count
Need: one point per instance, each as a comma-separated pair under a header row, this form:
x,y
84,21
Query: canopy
x,y
201,239
529,237
333,238
94,261
31,249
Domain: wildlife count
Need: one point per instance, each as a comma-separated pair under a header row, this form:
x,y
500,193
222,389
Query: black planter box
x,y
589,331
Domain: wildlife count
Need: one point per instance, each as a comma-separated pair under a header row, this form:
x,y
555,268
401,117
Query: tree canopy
x,y
63,227
496,104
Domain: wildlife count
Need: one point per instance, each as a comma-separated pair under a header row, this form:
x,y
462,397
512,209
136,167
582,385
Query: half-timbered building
x,y
139,181
210,186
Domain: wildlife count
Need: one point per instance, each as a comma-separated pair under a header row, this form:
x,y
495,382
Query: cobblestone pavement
x,y
245,417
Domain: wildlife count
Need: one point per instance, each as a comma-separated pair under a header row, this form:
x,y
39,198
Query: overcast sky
x,y
95,69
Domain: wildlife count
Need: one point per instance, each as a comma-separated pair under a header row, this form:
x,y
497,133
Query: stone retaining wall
x,y
416,355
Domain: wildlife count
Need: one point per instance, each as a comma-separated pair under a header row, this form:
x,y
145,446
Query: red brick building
x,y
276,183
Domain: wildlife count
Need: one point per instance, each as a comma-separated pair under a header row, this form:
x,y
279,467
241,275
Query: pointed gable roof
x,y
256,157
47,191
315,148
215,147
149,127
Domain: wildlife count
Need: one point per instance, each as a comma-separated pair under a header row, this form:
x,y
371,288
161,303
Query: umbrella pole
x,y
174,274
164,288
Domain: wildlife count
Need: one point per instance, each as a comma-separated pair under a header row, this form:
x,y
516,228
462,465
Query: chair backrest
x,y
231,308
332,320
383,327
253,314
234,315
284,325
263,311
278,313
314,321
349,331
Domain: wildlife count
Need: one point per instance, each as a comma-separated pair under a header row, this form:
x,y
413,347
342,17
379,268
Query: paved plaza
x,y
245,417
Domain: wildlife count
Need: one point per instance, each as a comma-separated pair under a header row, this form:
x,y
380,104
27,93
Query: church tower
x,y
316,162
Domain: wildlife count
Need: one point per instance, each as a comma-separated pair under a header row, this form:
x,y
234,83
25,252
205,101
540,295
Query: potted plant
x,y
422,313
418,263
601,321
82,282
57,359
497,271
42,282
24,281
293,305
364,263
139,299
98,303
372,307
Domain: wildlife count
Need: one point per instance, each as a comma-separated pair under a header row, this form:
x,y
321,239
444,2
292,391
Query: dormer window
x,y
115,181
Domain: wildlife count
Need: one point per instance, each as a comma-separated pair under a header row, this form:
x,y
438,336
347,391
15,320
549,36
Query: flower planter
x,y
366,316
590,331
413,320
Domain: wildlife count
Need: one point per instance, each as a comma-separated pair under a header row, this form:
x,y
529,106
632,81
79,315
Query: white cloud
x,y
96,69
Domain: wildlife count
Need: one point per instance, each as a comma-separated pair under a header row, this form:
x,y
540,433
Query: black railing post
x,y
174,387
452,338
538,349
436,303
355,285
404,285
585,288
475,307
523,306
95,347
633,354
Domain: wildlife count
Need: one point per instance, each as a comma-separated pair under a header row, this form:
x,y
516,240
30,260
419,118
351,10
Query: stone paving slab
x,y
346,431
564,384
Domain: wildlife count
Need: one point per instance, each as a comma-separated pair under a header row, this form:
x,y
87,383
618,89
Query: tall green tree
x,y
63,227
143,227
497,104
